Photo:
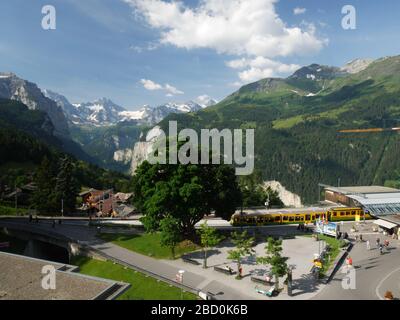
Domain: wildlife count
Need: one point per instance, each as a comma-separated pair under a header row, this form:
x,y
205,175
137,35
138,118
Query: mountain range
x,y
104,112
296,121
106,130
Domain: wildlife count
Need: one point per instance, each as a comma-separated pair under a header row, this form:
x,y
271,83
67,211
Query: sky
x,y
138,52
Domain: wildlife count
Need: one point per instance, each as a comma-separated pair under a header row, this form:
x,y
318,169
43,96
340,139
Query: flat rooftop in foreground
x,y
21,279
362,189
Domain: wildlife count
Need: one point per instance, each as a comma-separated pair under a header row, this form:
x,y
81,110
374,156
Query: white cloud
x,y
228,26
152,86
205,100
172,90
259,68
243,28
297,11
150,46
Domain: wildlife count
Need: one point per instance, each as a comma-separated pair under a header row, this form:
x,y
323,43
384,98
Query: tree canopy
x,y
185,192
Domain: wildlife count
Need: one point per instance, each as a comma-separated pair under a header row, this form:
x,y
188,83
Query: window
x,y
308,217
297,218
285,218
277,218
291,218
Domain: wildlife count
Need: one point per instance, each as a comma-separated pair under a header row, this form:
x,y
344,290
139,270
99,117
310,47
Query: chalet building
x,y
104,203
22,194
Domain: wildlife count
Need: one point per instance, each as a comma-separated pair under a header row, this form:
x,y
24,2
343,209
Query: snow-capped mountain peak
x,y
152,115
103,111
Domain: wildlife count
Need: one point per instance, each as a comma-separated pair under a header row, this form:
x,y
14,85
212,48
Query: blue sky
x,y
152,51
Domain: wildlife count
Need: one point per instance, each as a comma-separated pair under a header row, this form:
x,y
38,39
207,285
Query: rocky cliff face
x,y
288,198
139,154
14,88
140,151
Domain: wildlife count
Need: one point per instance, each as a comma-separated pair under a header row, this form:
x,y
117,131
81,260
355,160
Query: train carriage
x,y
297,216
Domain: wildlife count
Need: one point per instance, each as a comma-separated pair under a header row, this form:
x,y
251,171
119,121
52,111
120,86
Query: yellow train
x,y
295,216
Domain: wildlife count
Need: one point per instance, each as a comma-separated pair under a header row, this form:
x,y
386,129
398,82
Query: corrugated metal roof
x,y
379,203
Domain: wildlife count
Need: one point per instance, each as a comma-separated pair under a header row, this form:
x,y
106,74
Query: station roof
x,y
362,189
379,203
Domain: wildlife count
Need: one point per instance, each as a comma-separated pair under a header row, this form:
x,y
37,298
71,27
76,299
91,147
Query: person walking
x,y
381,249
378,241
368,245
387,245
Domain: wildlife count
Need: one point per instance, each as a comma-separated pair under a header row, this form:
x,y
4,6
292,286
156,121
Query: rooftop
x,y
21,278
362,189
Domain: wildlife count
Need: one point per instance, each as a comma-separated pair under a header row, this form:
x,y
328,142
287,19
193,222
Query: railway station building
x,y
382,203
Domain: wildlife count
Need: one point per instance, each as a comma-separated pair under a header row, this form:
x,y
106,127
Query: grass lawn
x,y
10,211
335,250
142,287
333,253
149,245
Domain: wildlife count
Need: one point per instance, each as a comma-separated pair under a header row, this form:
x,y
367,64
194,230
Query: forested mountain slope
x,y
297,119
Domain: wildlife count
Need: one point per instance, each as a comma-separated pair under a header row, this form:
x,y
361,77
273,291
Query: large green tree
x,y
184,192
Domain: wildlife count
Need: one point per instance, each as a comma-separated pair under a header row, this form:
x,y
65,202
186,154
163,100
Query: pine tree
x,y
66,186
43,198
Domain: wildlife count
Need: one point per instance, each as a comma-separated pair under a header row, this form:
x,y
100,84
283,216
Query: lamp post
x,y
62,207
16,198
181,272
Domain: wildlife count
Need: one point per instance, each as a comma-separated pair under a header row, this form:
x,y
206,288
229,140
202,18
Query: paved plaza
x,y
300,250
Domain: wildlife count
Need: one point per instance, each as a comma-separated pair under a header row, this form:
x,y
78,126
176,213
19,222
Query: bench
x,y
260,280
224,270
191,261
269,293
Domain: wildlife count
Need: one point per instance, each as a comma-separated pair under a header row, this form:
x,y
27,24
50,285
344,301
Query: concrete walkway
x,y
169,271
